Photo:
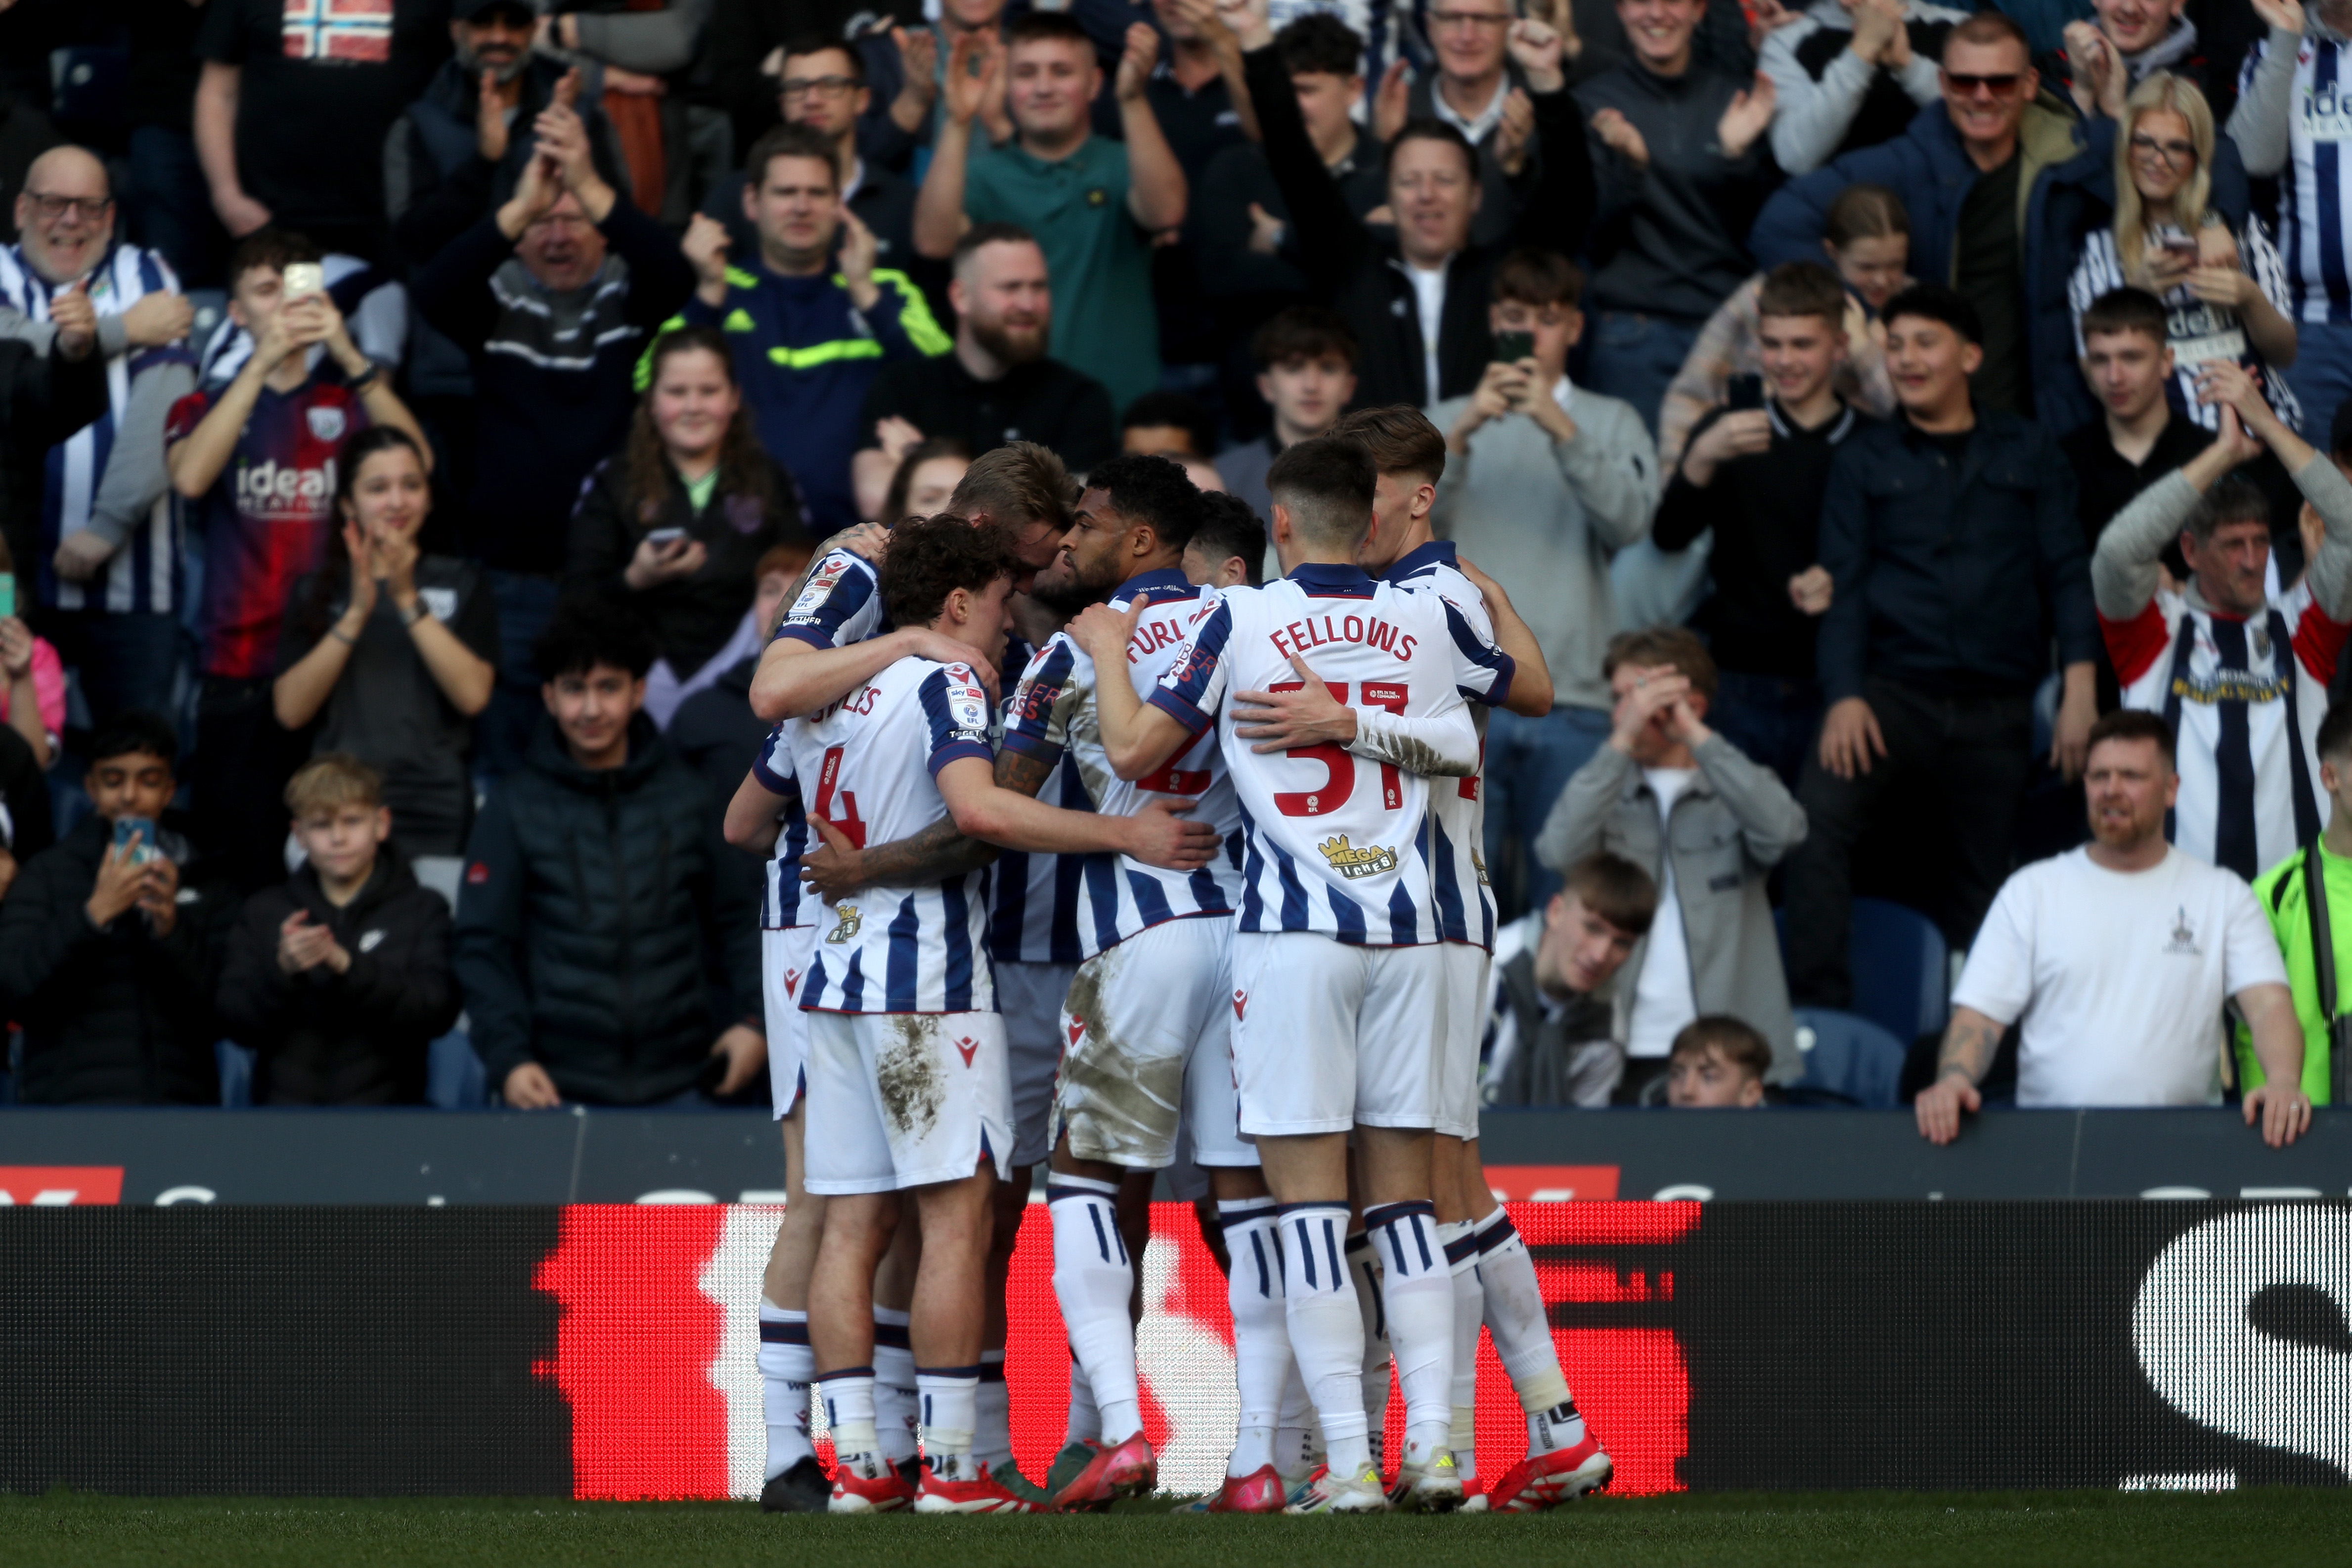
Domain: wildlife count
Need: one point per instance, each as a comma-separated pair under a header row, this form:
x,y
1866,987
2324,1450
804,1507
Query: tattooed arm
x,y
839,868
1969,1042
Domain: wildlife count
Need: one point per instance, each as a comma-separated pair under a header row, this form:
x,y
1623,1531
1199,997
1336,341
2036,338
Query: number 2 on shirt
x,y
1338,761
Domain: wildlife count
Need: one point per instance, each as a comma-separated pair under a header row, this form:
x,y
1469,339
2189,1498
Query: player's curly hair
x,y
931,557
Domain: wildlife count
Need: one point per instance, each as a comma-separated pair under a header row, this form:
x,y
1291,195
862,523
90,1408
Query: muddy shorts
x,y
1030,997
783,964
904,1099
1331,1034
1145,1041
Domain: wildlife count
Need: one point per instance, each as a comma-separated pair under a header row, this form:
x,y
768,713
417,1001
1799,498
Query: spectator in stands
x,y
2238,674
824,87
1682,166
999,386
1476,91
107,576
1708,824
392,652
1868,242
1850,74
107,940
714,729
655,83
1953,554
554,296
907,67
1551,1015
1167,424
1228,546
593,906
2281,139
25,823
1719,1063
1545,481
2115,960
292,110
32,677
1093,204
51,384
1306,374
1756,476
457,152
2225,295
1413,300
2128,361
809,316
2323,867
337,979
258,460
2120,46
927,476
680,519
1997,187
1200,100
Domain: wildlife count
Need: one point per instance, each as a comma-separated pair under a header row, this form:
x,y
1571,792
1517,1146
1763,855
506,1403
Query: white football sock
x,y
948,1398
1520,1326
1461,1240
1417,1289
1261,1362
1085,1422
1298,1440
1364,1270
1326,1335
848,1397
1093,1282
787,1366
894,1385
991,1440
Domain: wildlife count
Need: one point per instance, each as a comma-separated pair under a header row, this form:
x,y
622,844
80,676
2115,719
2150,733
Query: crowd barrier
x,y
606,1350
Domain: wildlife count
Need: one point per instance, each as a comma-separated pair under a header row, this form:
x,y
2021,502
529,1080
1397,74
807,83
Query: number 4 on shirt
x,y
851,827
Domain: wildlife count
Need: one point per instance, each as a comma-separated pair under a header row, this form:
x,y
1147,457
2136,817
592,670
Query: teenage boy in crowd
x,y
1717,1063
1551,1025
337,979
1306,373
1756,476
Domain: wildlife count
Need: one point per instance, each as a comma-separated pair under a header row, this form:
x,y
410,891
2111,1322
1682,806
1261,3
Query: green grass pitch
x,y
2241,1529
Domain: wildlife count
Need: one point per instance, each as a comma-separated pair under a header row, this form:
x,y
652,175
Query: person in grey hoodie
x,y
1544,482
1852,73
1674,797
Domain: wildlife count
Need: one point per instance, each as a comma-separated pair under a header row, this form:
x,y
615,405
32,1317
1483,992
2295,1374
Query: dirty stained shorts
x,y
904,1099
1146,1031
783,964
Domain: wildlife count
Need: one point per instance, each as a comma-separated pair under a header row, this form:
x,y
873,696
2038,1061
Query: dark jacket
x,y
44,398
589,920
354,1039
716,734
24,795
691,617
117,1016
1358,270
1953,582
548,408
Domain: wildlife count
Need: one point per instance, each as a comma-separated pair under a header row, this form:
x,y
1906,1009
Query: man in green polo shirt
x,y
1093,204
2284,891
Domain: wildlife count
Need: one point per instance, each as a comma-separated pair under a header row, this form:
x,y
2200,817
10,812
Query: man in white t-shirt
x,y
2117,958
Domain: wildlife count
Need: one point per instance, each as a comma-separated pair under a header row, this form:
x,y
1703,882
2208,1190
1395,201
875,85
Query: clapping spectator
x,y
107,940
337,980
679,521
1717,1063
106,575
1092,203
32,675
2225,295
1708,824
592,909
654,82
1306,374
1476,91
1868,242
257,459
554,296
394,652
1849,74
1682,166
2122,44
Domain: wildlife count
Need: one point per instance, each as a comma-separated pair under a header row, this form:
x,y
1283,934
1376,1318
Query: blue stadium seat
x,y
454,1079
1902,970
236,1064
1848,1059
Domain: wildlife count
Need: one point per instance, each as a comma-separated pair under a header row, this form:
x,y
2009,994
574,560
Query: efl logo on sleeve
x,y
54,1186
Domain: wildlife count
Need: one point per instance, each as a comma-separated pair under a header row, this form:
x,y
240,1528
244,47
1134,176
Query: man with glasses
x,y
1997,187
101,561
1476,91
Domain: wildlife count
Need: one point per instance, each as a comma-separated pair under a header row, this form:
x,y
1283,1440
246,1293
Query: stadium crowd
x,y
562,554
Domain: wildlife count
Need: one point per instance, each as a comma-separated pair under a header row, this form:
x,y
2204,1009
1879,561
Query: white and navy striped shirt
x,y
867,765
2314,189
143,575
1332,843
781,894
841,604
2197,331
1457,807
1052,716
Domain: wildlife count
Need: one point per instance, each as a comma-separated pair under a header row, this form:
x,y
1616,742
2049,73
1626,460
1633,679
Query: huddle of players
x,y
1244,887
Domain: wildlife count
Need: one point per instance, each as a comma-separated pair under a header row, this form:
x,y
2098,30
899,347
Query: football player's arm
x,y
1530,695
752,821
1158,834
1137,735
932,854
796,676
1440,745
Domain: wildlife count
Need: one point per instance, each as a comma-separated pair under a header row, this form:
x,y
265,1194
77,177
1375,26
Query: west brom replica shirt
x,y
780,896
2314,217
1333,843
841,602
866,765
1457,812
1052,716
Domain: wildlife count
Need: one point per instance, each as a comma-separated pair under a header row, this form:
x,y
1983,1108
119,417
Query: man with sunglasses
x,y
1997,184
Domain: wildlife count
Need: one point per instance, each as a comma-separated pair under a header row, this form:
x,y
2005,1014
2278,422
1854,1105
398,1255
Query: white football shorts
x,y
904,1099
783,964
1030,997
1466,966
1331,1036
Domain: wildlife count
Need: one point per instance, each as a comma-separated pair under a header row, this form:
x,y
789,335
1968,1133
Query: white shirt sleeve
x,y
2249,950
1999,979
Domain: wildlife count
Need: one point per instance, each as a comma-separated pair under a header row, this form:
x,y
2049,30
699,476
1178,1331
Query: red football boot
x,y
1127,1469
1541,1481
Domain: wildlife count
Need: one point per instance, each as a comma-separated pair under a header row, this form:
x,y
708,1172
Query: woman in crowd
x,y
396,648
926,475
2225,295
32,678
1868,240
677,522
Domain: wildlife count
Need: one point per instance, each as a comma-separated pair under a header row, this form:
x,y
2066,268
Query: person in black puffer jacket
x,y
339,977
107,961
592,916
